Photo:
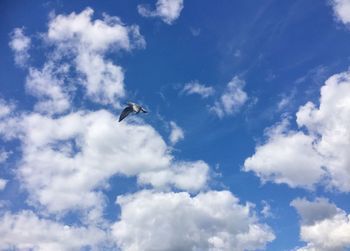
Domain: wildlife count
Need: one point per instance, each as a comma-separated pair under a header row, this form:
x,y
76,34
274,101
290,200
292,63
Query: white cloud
x,y
67,161
25,231
167,10
266,210
341,10
272,160
48,85
177,221
320,151
88,41
3,156
195,87
77,59
233,98
176,133
324,226
20,45
189,176
3,183
5,108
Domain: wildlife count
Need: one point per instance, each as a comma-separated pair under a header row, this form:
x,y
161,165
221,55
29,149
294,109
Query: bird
x,y
131,107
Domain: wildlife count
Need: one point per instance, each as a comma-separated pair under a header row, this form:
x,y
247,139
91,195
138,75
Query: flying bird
x,y
132,107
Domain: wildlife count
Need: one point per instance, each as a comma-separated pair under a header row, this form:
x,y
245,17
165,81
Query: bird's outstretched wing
x,y
125,113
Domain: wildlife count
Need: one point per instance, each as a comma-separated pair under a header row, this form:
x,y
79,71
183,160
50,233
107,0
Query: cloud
x,y
233,98
341,10
48,85
5,108
3,156
3,183
20,45
195,87
324,226
67,161
76,58
266,210
167,10
312,212
176,133
177,221
189,176
272,160
88,41
26,231
319,148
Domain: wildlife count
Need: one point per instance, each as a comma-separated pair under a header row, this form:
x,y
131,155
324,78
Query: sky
x,y
245,146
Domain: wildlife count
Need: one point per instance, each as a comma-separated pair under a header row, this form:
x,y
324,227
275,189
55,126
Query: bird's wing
x,y
125,113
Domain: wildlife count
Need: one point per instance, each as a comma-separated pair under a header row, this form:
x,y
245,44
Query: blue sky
x,y
245,146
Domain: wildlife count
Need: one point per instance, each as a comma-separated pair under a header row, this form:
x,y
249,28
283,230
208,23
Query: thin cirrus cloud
x,y
320,151
167,10
67,156
341,10
195,87
323,225
232,99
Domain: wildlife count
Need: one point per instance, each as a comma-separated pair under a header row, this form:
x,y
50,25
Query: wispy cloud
x,y
233,98
167,10
3,183
176,133
20,45
194,87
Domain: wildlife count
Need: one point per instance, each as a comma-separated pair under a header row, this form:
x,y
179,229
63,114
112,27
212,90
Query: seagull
x,y
132,107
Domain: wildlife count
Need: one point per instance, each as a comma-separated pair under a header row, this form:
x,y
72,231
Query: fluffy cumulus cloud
x,y
78,60
176,133
26,231
177,221
319,149
342,10
48,85
20,45
233,98
66,160
195,87
87,41
323,225
167,10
